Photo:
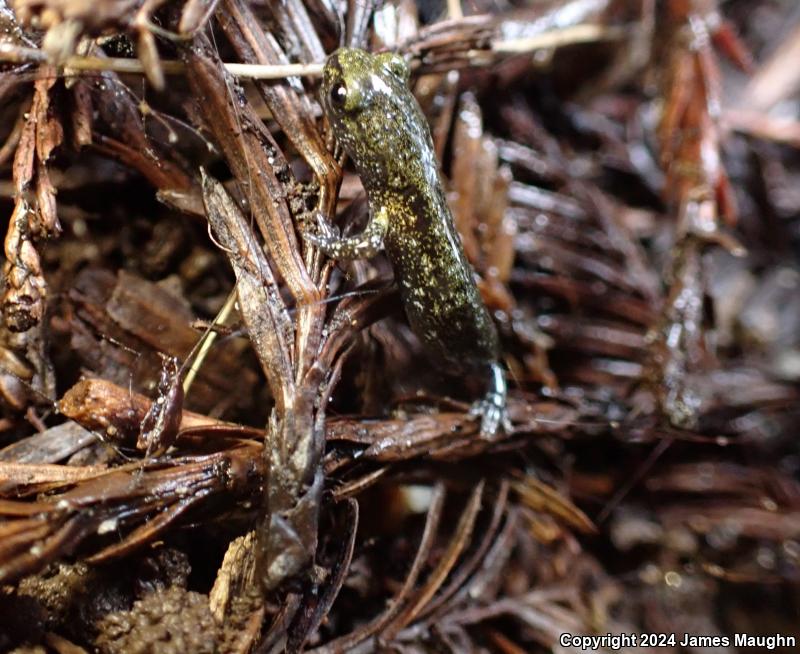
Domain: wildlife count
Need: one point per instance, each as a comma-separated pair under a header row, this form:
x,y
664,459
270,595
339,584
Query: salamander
x,y
377,120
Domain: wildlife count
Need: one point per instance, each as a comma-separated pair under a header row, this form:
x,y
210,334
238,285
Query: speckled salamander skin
x,y
377,120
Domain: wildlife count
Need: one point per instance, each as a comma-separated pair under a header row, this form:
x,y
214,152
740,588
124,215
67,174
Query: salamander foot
x,y
492,407
326,236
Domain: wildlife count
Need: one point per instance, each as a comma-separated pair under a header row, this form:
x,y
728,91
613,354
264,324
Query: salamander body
x,y
377,120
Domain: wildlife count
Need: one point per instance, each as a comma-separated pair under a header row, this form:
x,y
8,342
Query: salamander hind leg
x,y
492,407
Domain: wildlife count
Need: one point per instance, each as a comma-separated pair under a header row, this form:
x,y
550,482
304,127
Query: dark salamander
x,y
381,127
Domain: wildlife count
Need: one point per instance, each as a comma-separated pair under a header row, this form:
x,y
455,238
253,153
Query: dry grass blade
x,y
24,474
541,497
438,575
468,567
271,330
379,624
317,608
492,565
292,110
247,150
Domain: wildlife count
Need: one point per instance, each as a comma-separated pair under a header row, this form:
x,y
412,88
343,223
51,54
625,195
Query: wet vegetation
x,y
215,439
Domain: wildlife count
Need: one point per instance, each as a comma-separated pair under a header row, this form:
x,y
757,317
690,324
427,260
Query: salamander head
x,y
372,111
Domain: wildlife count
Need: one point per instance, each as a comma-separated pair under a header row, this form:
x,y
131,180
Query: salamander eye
x,y
338,95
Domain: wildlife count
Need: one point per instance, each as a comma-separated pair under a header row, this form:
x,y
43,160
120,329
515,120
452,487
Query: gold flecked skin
x,y
377,120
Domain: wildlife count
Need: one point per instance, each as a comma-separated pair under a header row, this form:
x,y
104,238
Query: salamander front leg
x,y
359,246
492,407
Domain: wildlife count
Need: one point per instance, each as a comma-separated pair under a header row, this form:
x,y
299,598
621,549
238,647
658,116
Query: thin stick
x,y
19,55
454,9
208,340
558,38
551,39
